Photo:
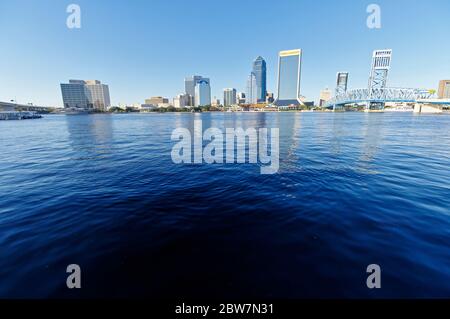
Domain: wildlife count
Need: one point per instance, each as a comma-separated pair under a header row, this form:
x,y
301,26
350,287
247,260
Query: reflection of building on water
x,y
372,139
90,135
290,130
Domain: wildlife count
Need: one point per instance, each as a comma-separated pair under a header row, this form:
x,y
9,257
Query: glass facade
x,y
74,96
260,71
189,87
229,97
85,95
202,92
251,94
289,70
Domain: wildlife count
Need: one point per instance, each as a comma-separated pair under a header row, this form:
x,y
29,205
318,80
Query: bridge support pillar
x,y
374,106
338,108
427,108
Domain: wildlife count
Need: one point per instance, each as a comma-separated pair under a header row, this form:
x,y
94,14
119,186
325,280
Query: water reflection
x,y
90,136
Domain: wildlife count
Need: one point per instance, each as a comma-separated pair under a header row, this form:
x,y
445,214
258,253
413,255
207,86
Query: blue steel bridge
x,y
377,93
384,95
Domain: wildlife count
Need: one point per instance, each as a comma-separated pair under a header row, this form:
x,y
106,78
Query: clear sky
x,y
146,48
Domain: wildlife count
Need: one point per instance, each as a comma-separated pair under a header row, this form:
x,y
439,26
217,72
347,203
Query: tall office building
x,y
229,97
251,94
260,71
90,94
181,100
444,89
289,74
202,92
325,96
190,85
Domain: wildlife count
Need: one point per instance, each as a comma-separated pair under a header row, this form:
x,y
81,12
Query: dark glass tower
x,y
259,69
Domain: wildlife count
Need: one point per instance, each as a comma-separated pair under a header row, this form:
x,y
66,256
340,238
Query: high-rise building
x,y
181,100
90,95
325,96
289,74
251,94
189,87
202,92
260,71
241,98
444,89
229,97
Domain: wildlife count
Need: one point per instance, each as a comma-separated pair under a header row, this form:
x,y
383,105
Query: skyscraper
x,y
251,95
181,100
229,97
260,71
444,89
202,92
325,96
90,94
189,86
289,73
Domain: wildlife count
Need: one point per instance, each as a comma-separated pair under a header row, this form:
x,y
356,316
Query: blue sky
x,y
146,48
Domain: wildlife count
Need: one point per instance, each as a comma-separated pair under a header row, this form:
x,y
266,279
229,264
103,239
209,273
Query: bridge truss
x,y
379,96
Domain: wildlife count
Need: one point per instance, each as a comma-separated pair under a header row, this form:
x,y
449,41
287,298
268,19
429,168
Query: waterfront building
x,y
215,102
251,94
90,94
147,107
269,97
229,97
325,96
444,89
289,74
260,71
202,92
157,100
189,87
241,98
182,100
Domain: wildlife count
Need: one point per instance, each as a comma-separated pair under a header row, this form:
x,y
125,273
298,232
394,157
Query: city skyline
x,y
59,53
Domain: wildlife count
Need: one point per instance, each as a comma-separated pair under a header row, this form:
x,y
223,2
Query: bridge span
x,y
380,96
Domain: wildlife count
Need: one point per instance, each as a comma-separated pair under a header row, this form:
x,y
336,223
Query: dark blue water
x,y
101,191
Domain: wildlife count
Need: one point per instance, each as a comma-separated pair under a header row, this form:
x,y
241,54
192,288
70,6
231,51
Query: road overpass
x,y
10,107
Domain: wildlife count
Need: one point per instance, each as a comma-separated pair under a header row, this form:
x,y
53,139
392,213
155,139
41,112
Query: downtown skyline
x,y
136,70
